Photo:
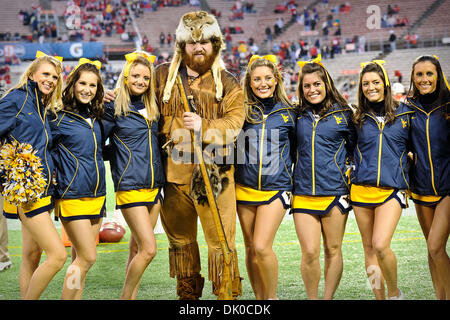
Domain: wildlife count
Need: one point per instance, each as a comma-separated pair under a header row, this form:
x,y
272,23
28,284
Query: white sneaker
x,y
5,265
399,297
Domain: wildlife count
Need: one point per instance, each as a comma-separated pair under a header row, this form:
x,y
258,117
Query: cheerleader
x,y
430,172
325,139
24,120
264,174
131,123
80,172
380,177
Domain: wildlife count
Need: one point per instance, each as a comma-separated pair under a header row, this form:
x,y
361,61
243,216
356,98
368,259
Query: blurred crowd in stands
x,y
112,17
98,17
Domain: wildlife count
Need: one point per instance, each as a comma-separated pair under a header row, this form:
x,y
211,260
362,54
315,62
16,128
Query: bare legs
x,y
39,234
259,225
83,235
377,226
309,229
141,221
435,223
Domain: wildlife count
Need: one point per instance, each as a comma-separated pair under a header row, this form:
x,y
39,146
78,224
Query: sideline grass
x,y
105,279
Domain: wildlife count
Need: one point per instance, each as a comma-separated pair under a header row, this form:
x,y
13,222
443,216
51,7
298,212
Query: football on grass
x,y
111,232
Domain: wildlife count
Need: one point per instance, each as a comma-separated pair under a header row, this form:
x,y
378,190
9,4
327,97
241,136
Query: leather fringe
x,y
184,261
205,99
215,272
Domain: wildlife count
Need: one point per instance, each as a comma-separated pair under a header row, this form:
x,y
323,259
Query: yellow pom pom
x,y
21,173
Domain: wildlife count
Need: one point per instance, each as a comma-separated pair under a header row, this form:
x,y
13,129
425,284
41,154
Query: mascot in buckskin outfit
x,y
216,105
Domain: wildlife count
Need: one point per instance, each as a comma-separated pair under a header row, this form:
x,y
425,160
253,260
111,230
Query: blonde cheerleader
x,y
131,122
264,174
24,125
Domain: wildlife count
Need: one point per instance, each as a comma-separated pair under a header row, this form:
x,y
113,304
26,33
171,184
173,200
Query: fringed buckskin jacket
x,y
221,121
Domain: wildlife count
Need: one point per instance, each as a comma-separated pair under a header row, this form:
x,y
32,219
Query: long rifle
x,y
226,285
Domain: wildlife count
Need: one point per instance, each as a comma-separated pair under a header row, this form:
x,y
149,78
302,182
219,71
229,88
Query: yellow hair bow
x,y
379,63
42,54
443,75
270,57
96,63
131,57
317,60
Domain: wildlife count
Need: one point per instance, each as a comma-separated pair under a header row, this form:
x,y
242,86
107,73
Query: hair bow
x,y
270,57
379,63
131,57
317,60
443,75
96,63
42,54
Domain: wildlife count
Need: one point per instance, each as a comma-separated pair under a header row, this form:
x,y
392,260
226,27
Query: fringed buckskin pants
x,y
179,216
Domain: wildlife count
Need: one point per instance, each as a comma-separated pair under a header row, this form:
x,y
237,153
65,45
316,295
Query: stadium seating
x,y
436,25
9,21
253,24
430,31
165,20
353,22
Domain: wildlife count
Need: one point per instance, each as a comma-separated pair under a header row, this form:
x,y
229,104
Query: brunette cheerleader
x,y
380,178
80,171
325,138
430,171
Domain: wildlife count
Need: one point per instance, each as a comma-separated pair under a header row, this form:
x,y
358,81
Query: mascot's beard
x,y
199,66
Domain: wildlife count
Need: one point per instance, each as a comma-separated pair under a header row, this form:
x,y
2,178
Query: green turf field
x,y
105,279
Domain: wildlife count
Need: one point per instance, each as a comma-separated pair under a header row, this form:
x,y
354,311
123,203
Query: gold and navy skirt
x,y
249,196
369,196
428,200
320,205
39,206
137,198
81,208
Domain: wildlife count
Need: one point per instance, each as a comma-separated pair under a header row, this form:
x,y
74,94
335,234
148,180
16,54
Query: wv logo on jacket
x,y
404,123
338,119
